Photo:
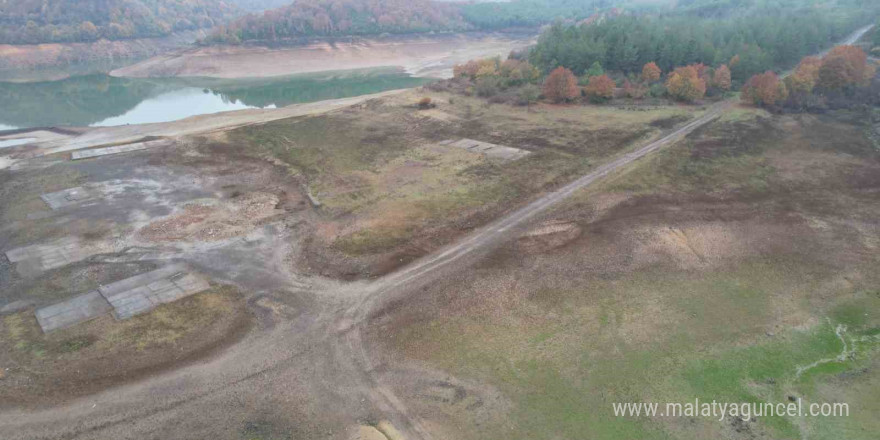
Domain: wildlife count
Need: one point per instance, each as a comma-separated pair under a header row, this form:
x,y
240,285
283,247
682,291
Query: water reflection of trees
x,y
90,99
76,101
299,90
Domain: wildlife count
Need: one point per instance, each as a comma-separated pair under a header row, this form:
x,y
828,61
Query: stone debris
x,y
501,152
97,152
219,221
68,197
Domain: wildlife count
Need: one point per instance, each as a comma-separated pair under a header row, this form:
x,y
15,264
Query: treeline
x,y
531,13
839,79
342,17
307,18
876,39
730,8
768,38
514,81
59,21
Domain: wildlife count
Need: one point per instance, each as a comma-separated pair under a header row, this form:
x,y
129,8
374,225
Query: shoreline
x,y
429,56
55,61
122,134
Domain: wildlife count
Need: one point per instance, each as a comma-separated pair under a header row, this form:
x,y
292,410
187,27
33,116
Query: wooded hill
x,y
751,39
343,17
306,18
57,21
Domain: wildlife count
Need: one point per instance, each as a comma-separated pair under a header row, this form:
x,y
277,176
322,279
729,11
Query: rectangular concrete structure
x,y
42,257
68,197
501,152
73,311
124,299
140,294
97,152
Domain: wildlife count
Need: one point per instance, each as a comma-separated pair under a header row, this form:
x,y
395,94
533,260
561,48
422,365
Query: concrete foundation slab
x,y
68,197
140,294
499,152
15,306
39,258
73,311
124,299
98,152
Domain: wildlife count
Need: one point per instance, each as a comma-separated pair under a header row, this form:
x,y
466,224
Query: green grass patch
x,y
704,163
650,337
371,241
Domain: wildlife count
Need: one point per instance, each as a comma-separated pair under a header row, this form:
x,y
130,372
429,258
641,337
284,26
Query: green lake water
x,y
102,100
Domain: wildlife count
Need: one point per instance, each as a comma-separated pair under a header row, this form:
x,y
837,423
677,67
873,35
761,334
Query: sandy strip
x,y
6,162
197,124
425,56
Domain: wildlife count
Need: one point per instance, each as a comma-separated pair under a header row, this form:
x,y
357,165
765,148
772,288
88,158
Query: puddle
x,y
15,142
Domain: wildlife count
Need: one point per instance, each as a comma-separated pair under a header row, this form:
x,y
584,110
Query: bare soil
x,y
614,266
747,199
39,368
425,56
54,61
390,192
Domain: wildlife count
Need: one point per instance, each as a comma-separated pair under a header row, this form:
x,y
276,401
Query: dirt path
x,y
198,124
478,243
473,246
329,334
319,356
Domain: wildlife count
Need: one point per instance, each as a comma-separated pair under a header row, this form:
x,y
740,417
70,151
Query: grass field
x,y
104,349
385,183
738,265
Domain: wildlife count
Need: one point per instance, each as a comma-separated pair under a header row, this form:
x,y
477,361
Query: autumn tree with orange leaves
x,y
721,78
805,76
764,90
467,70
685,84
845,67
600,88
651,73
560,85
635,91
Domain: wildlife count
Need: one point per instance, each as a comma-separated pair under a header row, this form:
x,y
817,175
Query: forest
x,y
705,50
306,18
61,21
531,13
623,34
770,35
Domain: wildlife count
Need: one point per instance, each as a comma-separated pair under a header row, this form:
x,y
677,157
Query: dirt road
x,y
198,124
479,243
465,251
279,364
315,363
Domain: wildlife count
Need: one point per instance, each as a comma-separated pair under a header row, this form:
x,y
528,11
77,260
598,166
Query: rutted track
x,y
482,240
477,243
332,339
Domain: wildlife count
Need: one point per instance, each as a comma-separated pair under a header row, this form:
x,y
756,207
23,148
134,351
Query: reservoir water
x,y
102,100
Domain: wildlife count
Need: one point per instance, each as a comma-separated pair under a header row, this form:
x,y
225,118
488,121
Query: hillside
x,y
259,5
64,21
343,17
